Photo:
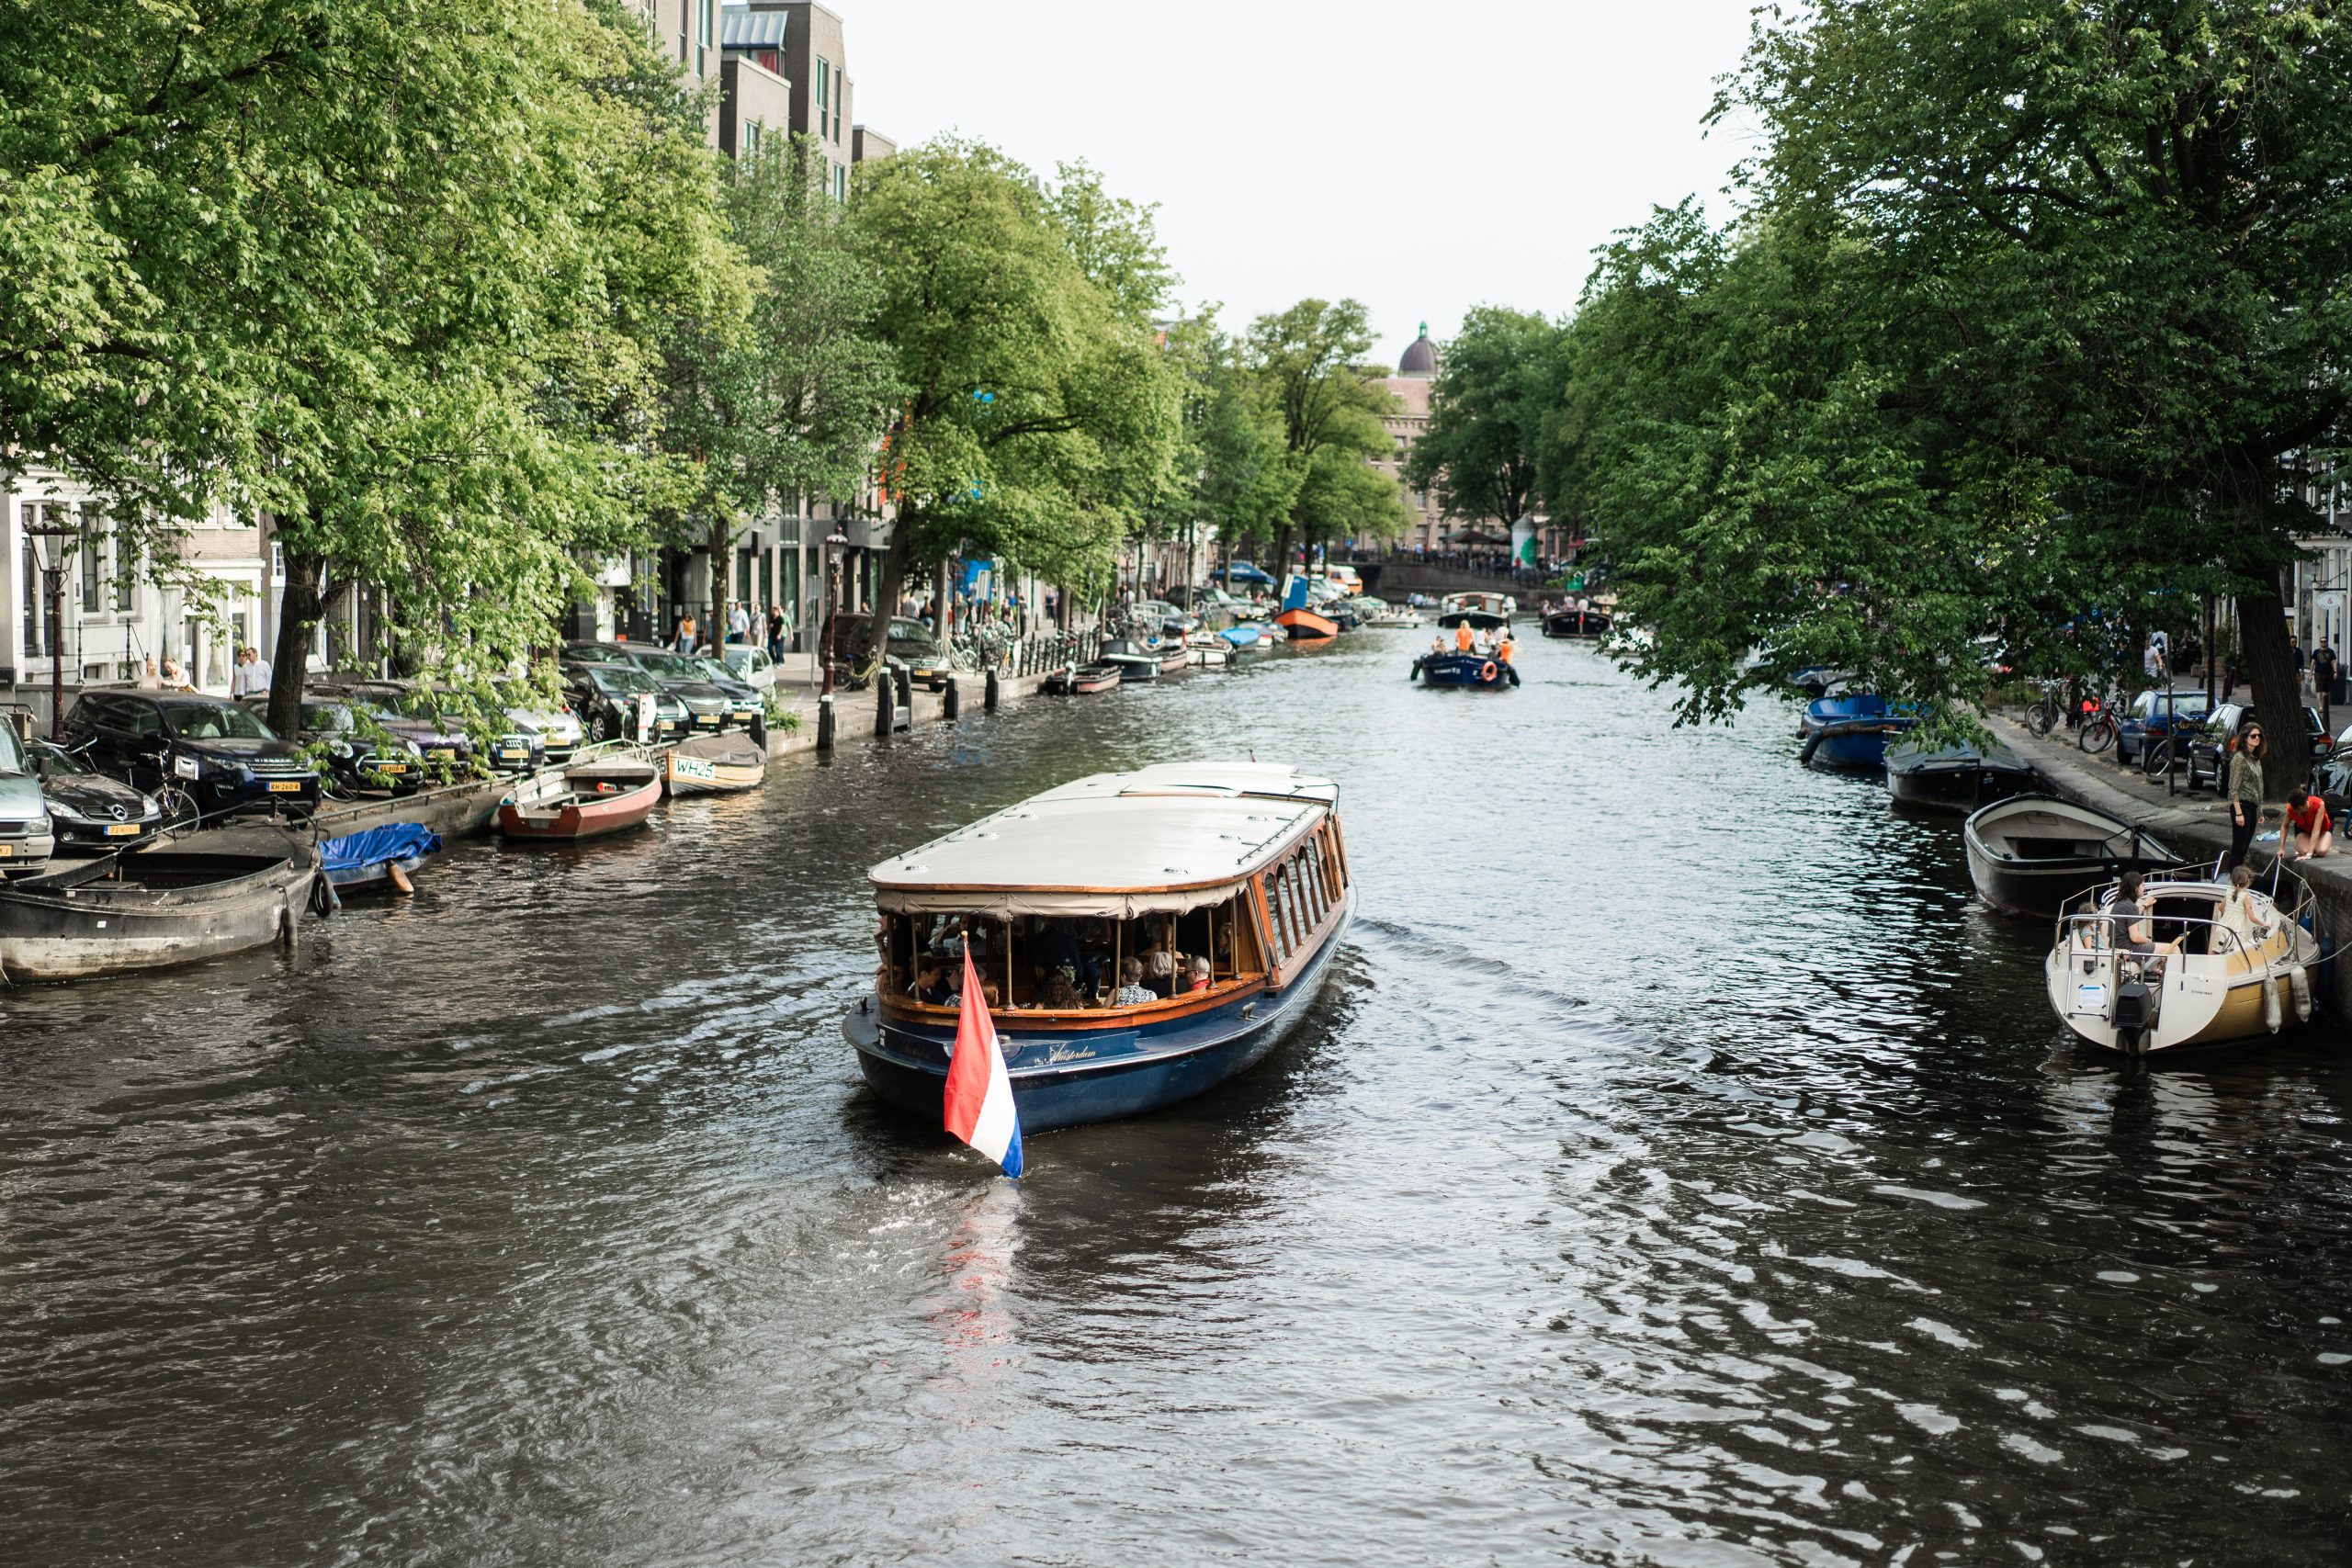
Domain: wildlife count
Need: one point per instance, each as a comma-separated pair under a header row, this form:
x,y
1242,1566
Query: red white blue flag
x,y
980,1092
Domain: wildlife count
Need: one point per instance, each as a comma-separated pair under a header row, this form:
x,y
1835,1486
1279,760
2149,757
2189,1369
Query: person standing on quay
x,y
2244,790
2324,670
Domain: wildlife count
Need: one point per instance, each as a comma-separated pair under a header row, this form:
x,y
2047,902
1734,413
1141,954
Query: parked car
x,y
26,830
912,645
559,729
606,696
361,752
2151,717
410,714
749,665
90,813
512,748
675,673
1171,621
2209,746
216,752
745,710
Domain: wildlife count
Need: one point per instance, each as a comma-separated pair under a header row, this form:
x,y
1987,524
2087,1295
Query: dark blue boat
x,y
1484,672
1850,731
1234,868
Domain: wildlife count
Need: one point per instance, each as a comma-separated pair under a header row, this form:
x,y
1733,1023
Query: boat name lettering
x,y
1068,1054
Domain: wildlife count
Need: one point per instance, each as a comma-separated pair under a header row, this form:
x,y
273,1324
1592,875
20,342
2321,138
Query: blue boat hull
x,y
1865,750
1125,1073
1464,669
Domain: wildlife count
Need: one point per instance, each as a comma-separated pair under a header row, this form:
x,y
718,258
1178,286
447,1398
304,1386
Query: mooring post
x,y
950,700
884,710
906,686
825,722
987,700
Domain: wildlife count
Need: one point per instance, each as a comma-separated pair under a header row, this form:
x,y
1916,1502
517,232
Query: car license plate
x,y
746,714
286,786
122,831
391,767
443,753
512,753
8,850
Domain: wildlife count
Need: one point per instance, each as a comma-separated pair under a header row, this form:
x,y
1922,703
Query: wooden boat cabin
x,y
1138,936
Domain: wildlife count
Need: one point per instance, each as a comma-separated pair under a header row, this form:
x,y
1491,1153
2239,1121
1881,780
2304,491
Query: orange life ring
x,y
1487,671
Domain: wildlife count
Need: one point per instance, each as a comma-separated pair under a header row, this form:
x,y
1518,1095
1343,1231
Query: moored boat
x,y
172,901
1379,613
1850,731
1208,651
376,859
2032,853
1134,660
2228,979
1501,605
1247,638
1955,778
610,794
1306,625
713,764
1236,869
1082,680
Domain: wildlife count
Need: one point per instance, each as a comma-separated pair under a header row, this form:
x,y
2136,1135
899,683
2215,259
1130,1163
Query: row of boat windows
x,y
1057,963
1304,889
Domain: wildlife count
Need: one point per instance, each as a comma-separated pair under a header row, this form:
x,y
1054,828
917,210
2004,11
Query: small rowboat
x,y
609,795
2032,854
1174,656
1306,625
1082,680
378,858
168,902
713,764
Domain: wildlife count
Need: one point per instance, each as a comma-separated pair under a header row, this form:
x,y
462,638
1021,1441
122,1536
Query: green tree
x,y
1307,370
1040,418
789,400
1499,384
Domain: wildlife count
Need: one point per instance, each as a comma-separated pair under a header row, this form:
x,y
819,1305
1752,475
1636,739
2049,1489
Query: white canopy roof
x,y
1168,837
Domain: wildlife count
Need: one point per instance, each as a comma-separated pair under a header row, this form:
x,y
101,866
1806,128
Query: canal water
x,y
1680,1171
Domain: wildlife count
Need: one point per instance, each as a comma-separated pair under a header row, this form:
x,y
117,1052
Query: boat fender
x,y
286,924
324,900
1416,673
1486,673
2273,1011
1812,744
2300,979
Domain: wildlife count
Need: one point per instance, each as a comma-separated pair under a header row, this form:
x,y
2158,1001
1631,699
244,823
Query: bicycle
x,y
2048,709
2099,729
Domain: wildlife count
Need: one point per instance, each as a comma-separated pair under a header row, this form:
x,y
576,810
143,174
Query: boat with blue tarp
x,y
1850,731
377,857
1139,936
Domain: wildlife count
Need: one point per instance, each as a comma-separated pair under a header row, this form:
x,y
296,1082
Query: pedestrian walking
x,y
684,641
2324,670
2295,645
779,628
2243,788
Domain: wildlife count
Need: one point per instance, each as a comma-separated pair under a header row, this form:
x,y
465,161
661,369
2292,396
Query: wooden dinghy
x,y
177,900
713,764
2032,854
1082,680
608,796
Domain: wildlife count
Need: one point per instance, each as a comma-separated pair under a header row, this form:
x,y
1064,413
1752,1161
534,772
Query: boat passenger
x,y
1061,992
1131,992
1462,637
930,985
2238,917
2130,914
1503,648
1199,974
2314,828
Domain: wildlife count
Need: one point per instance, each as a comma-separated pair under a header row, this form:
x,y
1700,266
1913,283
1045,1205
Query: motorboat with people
x,y
1481,661
2032,854
1138,937
1954,778
1578,619
598,797
1850,731
1379,613
2216,965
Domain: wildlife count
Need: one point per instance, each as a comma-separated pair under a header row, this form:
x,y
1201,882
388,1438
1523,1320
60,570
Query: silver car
x,y
27,837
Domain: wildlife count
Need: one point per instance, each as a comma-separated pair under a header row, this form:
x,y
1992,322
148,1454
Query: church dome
x,y
1421,356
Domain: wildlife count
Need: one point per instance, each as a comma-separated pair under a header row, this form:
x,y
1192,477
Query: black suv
x,y
361,752
215,752
606,695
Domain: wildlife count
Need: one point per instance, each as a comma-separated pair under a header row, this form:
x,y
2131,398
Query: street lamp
x,y
835,542
51,560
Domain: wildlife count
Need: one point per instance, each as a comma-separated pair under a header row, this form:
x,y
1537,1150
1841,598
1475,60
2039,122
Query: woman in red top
x,y
2314,829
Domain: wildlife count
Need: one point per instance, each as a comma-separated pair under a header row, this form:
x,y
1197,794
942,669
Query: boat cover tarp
x,y
392,843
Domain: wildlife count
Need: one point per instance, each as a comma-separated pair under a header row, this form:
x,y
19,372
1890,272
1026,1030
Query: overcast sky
x,y
1423,158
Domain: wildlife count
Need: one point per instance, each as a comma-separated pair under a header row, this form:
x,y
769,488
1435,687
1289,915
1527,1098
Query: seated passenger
x,y
1159,965
1131,992
931,984
2130,919
1199,974
1061,992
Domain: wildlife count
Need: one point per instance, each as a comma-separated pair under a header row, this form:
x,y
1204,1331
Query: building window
x,y
93,561
751,140
841,182
824,95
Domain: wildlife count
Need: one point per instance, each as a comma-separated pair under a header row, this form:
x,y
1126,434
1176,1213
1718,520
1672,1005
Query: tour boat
x,y
1850,731
1451,667
2032,853
1501,605
1957,778
713,764
2226,982
608,796
1239,863
1382,614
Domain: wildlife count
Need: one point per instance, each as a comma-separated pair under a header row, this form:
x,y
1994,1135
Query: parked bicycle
x,y
2099,726
2049,708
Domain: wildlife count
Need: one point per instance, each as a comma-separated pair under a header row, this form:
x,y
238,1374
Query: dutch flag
x,y
980,1094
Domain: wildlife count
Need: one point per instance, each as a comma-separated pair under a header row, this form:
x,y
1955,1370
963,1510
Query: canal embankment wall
x,y
2196,826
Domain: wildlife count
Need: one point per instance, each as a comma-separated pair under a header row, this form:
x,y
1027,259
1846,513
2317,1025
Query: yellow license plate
x,y
512,753
285,786
391,767
123,830
6,850
443,753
